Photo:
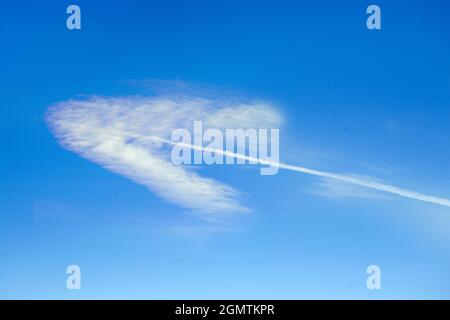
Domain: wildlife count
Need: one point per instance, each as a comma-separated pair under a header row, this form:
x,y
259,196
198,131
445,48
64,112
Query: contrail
x,y
324,174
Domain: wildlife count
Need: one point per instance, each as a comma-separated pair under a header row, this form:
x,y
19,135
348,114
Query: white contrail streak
x,y
339,177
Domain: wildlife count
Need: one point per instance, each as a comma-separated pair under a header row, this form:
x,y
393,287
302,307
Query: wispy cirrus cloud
x,y
334,189
103,130
131,137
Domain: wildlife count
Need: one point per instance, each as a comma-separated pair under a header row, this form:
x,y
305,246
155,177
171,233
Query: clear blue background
x,y
367,102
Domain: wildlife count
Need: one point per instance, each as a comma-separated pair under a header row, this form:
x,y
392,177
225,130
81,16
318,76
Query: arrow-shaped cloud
x,y
130,136
103,130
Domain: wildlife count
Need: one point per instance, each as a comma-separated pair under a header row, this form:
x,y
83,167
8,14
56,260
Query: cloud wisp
x,y
104,130
334,189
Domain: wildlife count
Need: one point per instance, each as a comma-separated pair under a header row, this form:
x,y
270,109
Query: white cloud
x,y
333,189
131,136
103,130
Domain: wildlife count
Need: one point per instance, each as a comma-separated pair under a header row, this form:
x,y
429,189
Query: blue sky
x,y
354,101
